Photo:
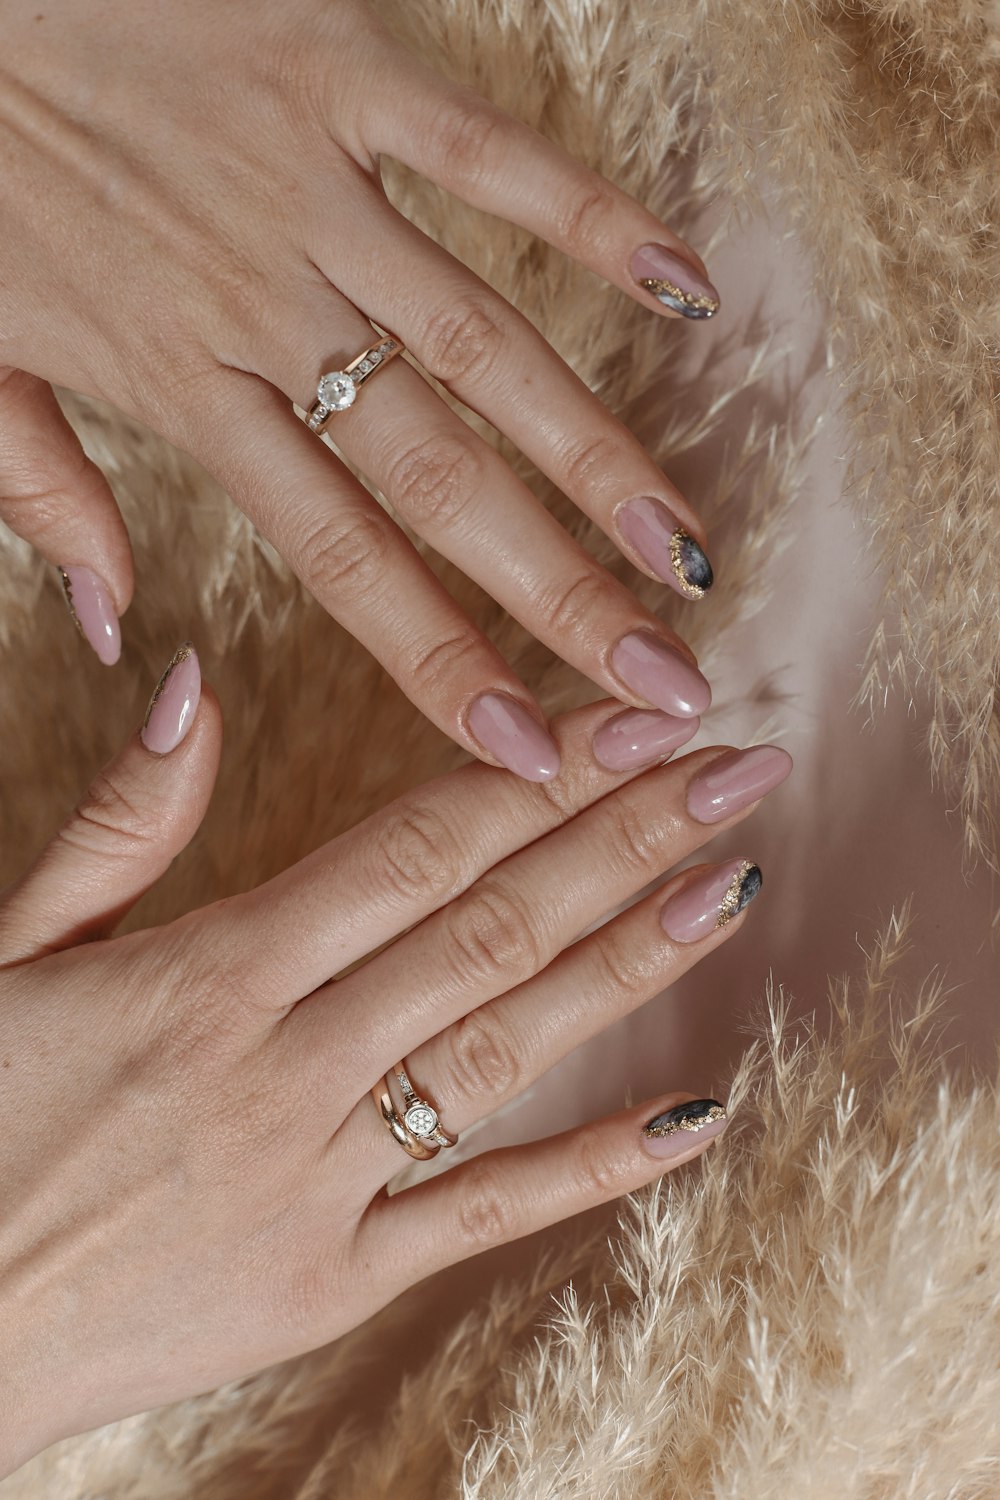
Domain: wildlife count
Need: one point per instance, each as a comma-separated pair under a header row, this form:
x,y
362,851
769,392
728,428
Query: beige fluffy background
x,y
815,1312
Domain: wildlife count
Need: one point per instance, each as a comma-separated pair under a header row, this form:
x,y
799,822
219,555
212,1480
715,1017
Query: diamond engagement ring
x,y
338,389
418,1130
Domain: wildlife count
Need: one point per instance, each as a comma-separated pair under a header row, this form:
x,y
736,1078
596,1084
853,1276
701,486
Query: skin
x,y
194,1171
176,243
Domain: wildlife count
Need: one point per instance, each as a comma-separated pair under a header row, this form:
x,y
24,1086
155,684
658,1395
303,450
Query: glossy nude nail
x,y
514,736
665,547
93,613
674,282
641,737
736,781
680,1128
661,675
174,702
712,901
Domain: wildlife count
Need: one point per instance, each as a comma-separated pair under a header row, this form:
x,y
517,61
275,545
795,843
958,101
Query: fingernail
x,y
678,1129
735,781
174,702
711,902
514,737
664,545
640,737
662,676
93,612
674,282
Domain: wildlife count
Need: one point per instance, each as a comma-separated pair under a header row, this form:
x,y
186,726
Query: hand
x,y
195,230
193,1169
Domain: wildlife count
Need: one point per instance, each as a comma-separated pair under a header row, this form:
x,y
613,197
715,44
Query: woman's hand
x,y
193,1169
195,230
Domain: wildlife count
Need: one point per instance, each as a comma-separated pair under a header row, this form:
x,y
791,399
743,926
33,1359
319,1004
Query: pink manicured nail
x,y
640,737
93,612
661,675
663,544
735,781
674,282
514,736
711,901
680,1128
174,702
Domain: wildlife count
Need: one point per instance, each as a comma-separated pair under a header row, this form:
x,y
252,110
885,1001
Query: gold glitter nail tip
x,y
181,654
743,887
688,304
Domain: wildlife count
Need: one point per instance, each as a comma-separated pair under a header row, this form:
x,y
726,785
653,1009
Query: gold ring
x,y
418,1130
338,389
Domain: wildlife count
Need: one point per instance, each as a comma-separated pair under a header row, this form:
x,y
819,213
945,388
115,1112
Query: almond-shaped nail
x,y
711,901
661,675
736,781
514,737
674,282
641,737
89,601
678,1129
174,702
664,546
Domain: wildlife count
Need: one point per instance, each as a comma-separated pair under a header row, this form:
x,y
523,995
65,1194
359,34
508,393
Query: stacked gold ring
x,y
338,389
418,1129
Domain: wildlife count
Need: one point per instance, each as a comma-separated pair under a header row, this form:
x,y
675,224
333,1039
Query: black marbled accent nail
x,y
692,567
691,1116
743,887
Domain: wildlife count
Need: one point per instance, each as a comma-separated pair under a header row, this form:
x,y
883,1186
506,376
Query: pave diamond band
x,y
418,1129
338,389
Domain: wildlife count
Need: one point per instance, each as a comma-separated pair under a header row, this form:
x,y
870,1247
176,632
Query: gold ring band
x,y
338,389
418,1130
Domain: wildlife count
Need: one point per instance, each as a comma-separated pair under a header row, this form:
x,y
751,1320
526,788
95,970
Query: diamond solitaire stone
x,y
421,1119
337,391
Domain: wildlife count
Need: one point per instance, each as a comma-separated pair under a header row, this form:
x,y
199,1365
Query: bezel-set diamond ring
x,y
338,389
418,1129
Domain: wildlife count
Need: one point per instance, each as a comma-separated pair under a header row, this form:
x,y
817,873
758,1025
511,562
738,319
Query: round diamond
x,y
337,391
421,1119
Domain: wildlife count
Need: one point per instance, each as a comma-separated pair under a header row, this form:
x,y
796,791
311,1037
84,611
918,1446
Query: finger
x,y
139,813
498,364
412,857
506,1194
482,154
457,492
360,566
518,917
54,497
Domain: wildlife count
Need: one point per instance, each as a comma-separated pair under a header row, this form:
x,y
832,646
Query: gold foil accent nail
x,y
182,653
677,540
68,591
687,1122
731,900
697,300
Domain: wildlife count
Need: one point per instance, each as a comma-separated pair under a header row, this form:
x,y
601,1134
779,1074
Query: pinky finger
x,y
506,1194
54,497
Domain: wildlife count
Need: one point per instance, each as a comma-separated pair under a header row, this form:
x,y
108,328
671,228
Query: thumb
x,y
53,496
140,812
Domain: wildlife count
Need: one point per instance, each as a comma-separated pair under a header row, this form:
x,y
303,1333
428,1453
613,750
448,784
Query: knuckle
x,y
463,131
108,818
484,1062
344,560
636,843
436,667
419,854
492,935
623,970
488,1214
587,465
463,341
597,1169
584,220
571,610
434,481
